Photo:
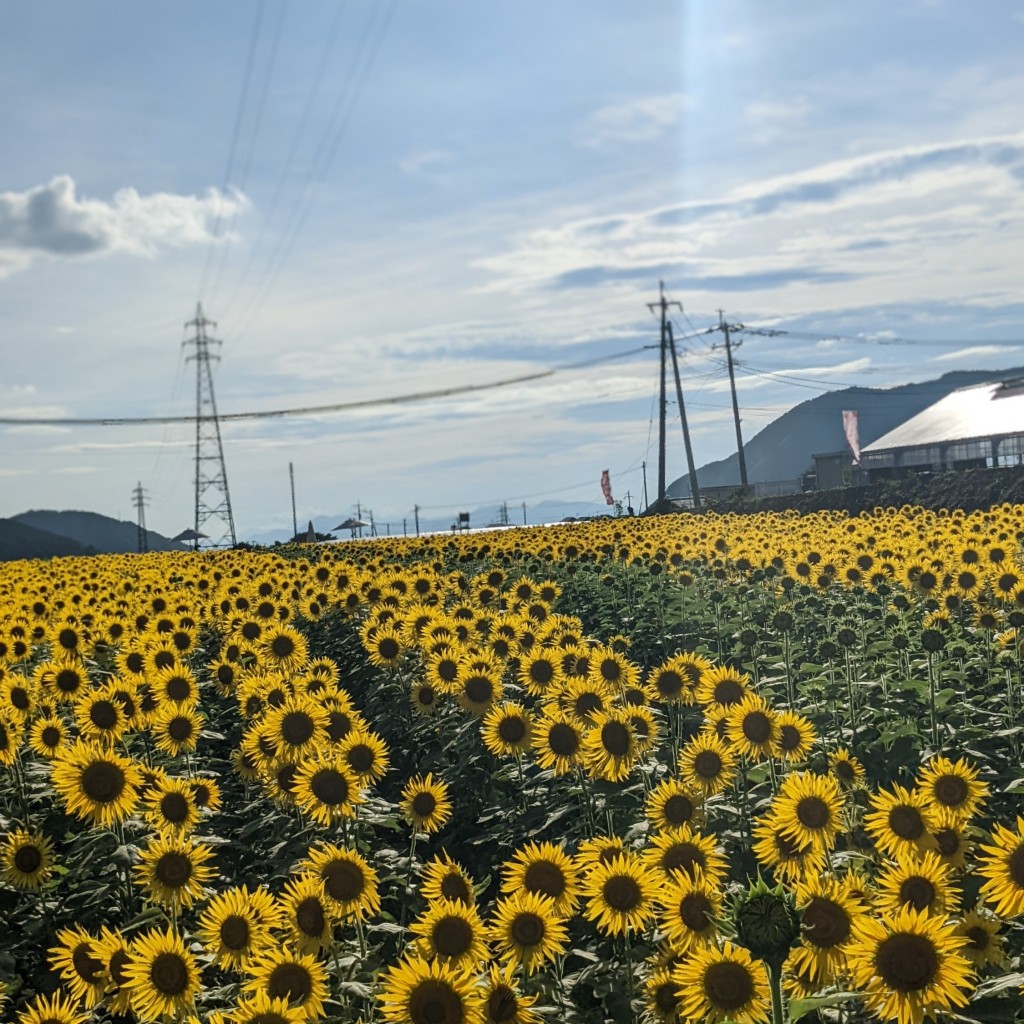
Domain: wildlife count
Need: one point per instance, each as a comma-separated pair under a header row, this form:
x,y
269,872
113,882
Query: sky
x,y
379,198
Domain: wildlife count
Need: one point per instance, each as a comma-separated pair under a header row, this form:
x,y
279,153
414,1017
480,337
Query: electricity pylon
x,y
139,497
213,501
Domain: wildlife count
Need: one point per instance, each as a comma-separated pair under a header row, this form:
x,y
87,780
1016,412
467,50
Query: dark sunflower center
x,y
387,648
479,689
68,680
180,729
789,738
546,878
502,1005
135,663
447,670
812,812
951,790
343,880
917,891
978,938
728,986
174,808
788,849
234,932
622,893
424,804
453,887
27,859
178,689
678,809
173,870
68,639
1015,865
669,684
665,998
297,728
360,758
282,646
50,736
611,670
587,703
948,840
163,659
87,967
225,675
844,770
907,962
527,929
757,727
696,911
906,822
708,764
615,738
20,699
453,936
330,787
290,981
563,740
728,691
339,725
512,729
103,782
434,1001
264,1018
118,962
683,857
542,672
826,924
310,917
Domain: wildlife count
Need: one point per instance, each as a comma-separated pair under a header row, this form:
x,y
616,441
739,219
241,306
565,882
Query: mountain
x,y
783,449
91,530
20,541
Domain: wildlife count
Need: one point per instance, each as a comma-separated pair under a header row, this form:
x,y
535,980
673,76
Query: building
x,y
971,428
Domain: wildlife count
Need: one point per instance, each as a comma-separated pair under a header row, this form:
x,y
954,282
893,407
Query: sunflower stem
x,y
629,973
406,888
19,772
775,984
931,702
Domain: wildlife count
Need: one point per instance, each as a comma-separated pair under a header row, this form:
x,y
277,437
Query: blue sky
x,y
433,193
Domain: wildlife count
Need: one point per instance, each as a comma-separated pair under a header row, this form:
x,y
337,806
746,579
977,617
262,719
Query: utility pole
x,y
662,304
690,465
295,521
211,472
139,495
643,466
524,513
724,328
416,513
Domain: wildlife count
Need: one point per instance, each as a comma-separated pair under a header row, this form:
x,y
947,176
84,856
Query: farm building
x,y
971,428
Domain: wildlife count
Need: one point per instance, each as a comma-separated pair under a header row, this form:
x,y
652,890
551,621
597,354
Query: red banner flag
x,y
850,430
606,488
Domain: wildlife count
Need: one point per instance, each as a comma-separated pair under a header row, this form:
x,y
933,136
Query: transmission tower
x,y
139,497
213,502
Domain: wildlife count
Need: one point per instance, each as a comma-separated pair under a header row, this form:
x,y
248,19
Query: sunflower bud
x,y
767,922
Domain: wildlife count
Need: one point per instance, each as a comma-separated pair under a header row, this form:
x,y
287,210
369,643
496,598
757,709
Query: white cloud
x,y
429,159
53,220
640,119
975,352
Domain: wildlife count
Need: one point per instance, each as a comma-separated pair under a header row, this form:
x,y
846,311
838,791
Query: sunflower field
x,y
719,768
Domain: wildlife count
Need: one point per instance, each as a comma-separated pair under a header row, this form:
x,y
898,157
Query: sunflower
x,y
452,932
829,911
444,879
48,736
10,736
609,748
675,681
21,693
953,790
231,928
672,804
116,953
205,793
424,697
901,820
717,984
809,807
78,959
787,858
173,870
599,850
846,768
707,764
527,931
417,991
26,859
280,973
796,736
546,870
1002,866
348,880
908,965
326,788
682,851
752,727
558,741
540,672
723,685
691,906
920,882
171,807
443,669
644,725
507,729
56,1009
584,698
68,679
661,997
503,1001
984,943
425,803
176,728
174,685
306,913
163,979
621,894
365,754
283,648
262,1009
298,726
96,784
613,669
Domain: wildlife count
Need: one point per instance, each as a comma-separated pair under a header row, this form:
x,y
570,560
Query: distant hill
x,y
20,541
91,530
783,449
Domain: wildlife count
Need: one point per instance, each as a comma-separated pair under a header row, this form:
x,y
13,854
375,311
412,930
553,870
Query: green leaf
x,y
798,1007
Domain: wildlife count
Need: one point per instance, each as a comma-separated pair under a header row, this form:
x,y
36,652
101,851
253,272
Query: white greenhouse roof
x,y
968,414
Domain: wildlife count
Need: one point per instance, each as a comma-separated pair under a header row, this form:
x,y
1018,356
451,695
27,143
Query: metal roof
x,y
967,414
